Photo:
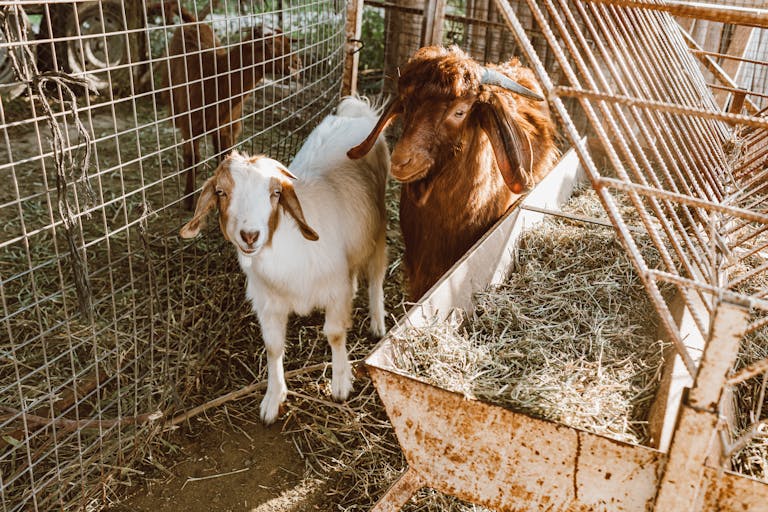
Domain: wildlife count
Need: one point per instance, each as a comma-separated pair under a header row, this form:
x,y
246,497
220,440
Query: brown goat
x,y
208,85
473,139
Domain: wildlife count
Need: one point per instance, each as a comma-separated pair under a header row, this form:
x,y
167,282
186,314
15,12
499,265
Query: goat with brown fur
x,y
473,139
209,84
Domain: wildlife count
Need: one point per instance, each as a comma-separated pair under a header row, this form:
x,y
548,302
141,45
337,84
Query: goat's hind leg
x,y
338,318
191,151
377,268
273,331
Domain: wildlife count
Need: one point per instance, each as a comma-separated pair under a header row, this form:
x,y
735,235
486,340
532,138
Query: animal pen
x,y
106,314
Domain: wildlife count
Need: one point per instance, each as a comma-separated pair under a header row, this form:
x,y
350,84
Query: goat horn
x,y
492,77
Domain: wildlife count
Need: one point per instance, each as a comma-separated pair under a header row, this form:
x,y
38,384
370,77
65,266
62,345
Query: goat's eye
x,y
459,113
275,193
221,193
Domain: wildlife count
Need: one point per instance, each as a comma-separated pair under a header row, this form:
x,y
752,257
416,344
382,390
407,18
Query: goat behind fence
x,y
102,307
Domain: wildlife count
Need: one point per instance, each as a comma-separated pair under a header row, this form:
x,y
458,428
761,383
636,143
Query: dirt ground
x,y
246,467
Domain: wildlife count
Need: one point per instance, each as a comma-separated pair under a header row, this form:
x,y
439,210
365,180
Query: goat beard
x,y
420,190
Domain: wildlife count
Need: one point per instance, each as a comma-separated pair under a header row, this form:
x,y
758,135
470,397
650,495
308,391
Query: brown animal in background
x,y
474,138
208,84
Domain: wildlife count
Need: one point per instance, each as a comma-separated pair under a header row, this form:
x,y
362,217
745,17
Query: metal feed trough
x,y
695,177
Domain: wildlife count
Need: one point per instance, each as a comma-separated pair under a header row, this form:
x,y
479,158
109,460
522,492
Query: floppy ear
x,y
394,108
205,204
510,144
291,204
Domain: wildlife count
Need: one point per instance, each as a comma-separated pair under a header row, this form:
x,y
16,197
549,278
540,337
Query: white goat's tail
x,y
355,106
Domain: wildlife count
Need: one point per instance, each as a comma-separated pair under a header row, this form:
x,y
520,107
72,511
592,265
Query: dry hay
x,y
750,406
570,337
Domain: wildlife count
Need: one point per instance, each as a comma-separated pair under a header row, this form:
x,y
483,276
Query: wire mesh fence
x,y
101,302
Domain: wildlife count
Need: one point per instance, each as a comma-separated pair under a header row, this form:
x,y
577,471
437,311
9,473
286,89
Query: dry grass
x,y
749,397
570,337
751,407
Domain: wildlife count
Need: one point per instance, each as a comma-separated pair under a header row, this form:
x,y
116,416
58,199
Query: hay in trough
x,y
570,337
751,458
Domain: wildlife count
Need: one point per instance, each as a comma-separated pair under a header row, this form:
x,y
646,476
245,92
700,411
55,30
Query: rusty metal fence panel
x,y
100,303
693,173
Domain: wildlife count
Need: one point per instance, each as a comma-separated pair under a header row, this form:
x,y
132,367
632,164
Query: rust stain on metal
x,y
576,467
474,451
732,492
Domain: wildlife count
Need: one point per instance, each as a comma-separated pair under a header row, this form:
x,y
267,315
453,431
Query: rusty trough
x,y
506,460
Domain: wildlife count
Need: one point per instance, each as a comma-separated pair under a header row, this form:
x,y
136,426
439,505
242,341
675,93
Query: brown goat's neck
x,y
245,65
466,196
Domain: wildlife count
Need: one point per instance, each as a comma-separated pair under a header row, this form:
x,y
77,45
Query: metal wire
x,y
80,397
695,175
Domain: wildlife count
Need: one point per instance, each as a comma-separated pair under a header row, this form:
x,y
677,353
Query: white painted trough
x,y
505,460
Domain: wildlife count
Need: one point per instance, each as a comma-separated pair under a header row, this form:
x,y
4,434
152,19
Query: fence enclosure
x,y
103,307
107,317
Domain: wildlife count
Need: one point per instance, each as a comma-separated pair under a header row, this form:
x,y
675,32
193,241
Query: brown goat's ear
x,y
394,108
290,203
205,204
511,146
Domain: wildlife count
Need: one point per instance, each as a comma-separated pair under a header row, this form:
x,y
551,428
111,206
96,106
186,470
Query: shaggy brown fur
x,y
467,151
209,84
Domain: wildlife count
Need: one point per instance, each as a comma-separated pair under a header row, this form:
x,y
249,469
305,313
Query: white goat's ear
x,y
288,174
205,204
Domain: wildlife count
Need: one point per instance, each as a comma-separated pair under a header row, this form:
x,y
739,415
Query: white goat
x,y
302,236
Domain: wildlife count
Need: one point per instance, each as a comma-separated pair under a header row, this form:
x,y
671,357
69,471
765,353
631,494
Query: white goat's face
x,y
250,193
248,221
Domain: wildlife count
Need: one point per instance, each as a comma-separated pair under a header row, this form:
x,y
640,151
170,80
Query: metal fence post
x,y
695,437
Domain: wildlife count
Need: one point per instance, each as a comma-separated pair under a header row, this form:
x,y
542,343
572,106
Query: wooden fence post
x,y
434,16
354,28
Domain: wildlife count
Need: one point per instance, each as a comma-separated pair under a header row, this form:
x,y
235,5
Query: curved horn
x,y
393,109
492,77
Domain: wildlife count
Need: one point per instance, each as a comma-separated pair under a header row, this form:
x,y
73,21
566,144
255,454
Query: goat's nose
x,y
400,160
249,237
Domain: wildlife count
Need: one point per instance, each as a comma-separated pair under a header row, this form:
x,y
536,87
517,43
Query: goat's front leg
x,y
338,318
273,331
225,138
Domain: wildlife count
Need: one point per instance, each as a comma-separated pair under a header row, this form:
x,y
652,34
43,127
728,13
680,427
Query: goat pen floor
x,y
243,466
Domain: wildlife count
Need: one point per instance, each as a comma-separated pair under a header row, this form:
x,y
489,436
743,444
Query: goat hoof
x,y
341,385
270,405
378,329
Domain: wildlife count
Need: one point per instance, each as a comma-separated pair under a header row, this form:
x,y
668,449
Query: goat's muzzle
x,y
407,168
